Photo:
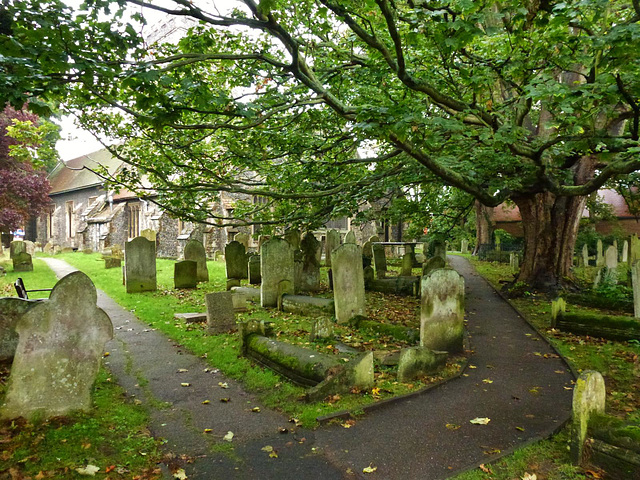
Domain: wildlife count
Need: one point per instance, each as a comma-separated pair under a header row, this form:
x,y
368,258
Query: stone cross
x,y
332,242
442,311
185,274
140,265
348,283
276,265
235,260
60,345
194,250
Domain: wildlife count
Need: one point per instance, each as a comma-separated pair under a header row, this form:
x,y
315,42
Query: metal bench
x,y
23,292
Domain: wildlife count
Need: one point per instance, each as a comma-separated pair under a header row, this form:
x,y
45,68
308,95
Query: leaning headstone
x,y
194,250
185,274
149,234
635,282
432,264
379,260
254,270
310,278
348,283
442,311
585,255
17,246
416,362
22,262
625,251
599,255
589,396
440,249
333,241
293,237
350,237
236,260
60,345
367,249
464,246
407,265
276,265
140,265
220,314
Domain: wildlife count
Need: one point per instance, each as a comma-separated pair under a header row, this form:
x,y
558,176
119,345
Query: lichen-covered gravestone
x,y
379,260
17,246
185,274
442,311
310,277
635,283
585,255
464,246
440,249
348,283
194,250
11,310
350,237
611,265
243,238
220,313
293,237
407,265
140,265
254,270
333,241
22,262
599,254
589,396
432,264
58,354
235,260
276,265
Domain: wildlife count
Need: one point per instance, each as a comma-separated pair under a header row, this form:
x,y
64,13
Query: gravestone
x,y
243,238
310,279
348,283
611,257
60,345
220,314
297,270
514,262
379,260
442,311
185,274
235,260
350,237
30,247
321,328
367,249
140,265
432,264
293,237
589,396
585,255
149,234
464,246
374,238
333,241
625,251
254,270
634,249
261,240
11,311
276,265
416,362
369,276
112,262
17,246
116,251
599,255
440,249
407,265
22,262
498,242
48,248
194,250
635,282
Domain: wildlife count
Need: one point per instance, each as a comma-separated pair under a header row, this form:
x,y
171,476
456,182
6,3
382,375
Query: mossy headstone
x,y
464,246
194,250
589,396
599,254
220,313
112,262
407,265
416,362
379,260
332,242
140,265
350,237
254,270
310,277
185,274
585,255
432,264
276,265
58,354
17,246
235,260
243,238
348,283
625,251
22,262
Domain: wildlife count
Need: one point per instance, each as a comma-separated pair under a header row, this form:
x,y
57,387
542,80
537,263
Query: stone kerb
x,y
235,259
276,265
60,346
348,283
194,250
589,396
442,311
140,265
185,274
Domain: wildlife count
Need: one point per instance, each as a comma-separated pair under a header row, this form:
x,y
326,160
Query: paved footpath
x,y
514,379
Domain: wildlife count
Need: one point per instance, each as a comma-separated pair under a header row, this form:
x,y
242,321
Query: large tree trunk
x,y
550,227
484,225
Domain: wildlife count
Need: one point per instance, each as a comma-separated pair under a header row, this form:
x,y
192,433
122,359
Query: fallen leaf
x,y
530,476
206,402
208,430
486,380
520,428
480,421
225,400
182,370
89,470
559,371
106,354
256,409
223,385
273,454
185,384
110,468
228,437
180,474
485,469
472,366
369,469
452,426
267,448
349,423
492,451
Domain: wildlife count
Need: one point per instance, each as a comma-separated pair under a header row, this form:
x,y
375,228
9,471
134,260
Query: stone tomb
x,y
185,274
235,259
140,265
60,345
276,265
22,262
442,311
194,250
348,283
220,313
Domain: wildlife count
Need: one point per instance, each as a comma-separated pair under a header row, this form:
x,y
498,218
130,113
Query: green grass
x,y
41,277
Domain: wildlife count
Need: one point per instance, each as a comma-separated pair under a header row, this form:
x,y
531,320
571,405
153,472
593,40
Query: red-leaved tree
x,y
23,188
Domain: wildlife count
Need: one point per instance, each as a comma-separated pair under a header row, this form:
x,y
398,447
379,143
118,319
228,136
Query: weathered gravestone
x,y
432,264
11,310
30,247
254,270
585,255
350,237
185,274
589,396
310,275
48,248
293,237
276,265
235,260
407,265
348,283
611,264
634,249
17,246
379,260
22,262
243,238
220,313
514,262
140,265
635,283
194,250
440,249
367,250
625,251
415,362
464,246
332,242
149,234
442,311
599,254
112,262
58,353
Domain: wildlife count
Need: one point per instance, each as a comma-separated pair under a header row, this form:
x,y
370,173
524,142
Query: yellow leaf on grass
x,y
89,470
480,421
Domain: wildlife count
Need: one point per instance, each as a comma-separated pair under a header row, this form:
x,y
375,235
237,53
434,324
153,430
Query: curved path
x,y
514,379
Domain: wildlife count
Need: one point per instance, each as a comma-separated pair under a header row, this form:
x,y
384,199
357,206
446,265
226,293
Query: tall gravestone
x,y
348,283
22,262
17,246
194,250
276,265
185,274
350,237
235,260
140,265
60,345
514,262
367,249
589,396
635,282
599,254
379,260
293,237
243,238
332,242
625,251
310,279
220,313
464,246
442,311
611,257
149,234
585,255
440,249
254,270
407,265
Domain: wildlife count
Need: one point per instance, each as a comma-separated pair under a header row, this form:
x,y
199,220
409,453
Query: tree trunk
x,y
550,225
484,225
